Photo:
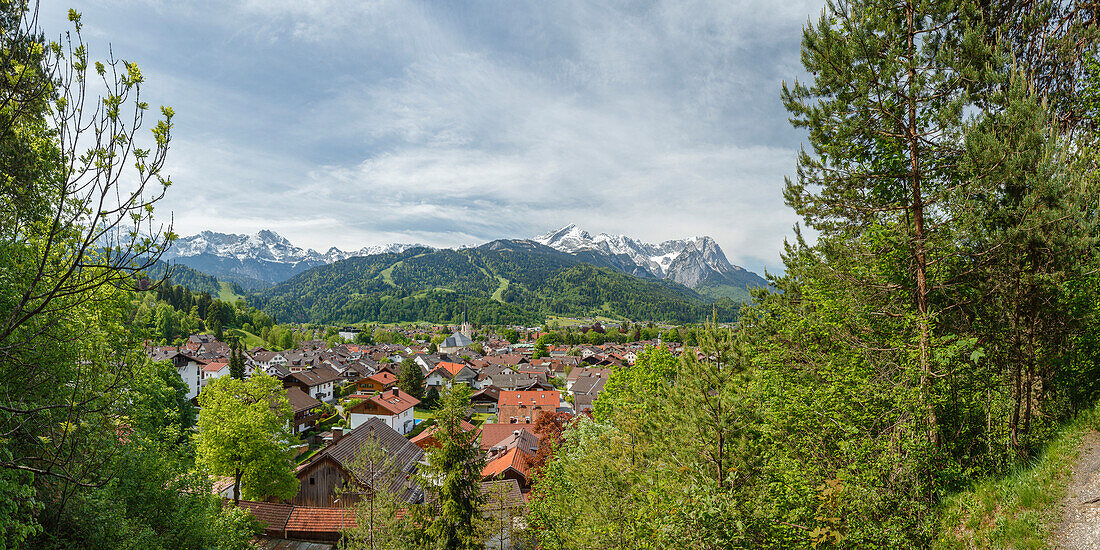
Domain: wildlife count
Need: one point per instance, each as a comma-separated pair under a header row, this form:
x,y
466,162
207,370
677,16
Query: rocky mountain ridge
x,y
689,262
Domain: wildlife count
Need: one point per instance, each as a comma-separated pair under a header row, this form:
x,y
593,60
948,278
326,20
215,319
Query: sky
x,y
347,123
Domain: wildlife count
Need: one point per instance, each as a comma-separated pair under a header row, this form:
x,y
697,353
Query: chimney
x,y
337,433
395,392
515,433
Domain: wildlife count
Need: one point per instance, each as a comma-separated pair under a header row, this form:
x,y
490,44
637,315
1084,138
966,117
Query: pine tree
x,y
236,360
452,518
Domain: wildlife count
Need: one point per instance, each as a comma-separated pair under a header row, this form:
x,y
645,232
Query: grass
x,y
387,274
1020,509
247,338
423,415
226,294
498,295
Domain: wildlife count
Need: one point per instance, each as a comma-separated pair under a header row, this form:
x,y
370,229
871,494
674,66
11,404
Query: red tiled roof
x,y
452,368
215,366
383,377
273,515
491,434
320,520
530,398
515,459
424,439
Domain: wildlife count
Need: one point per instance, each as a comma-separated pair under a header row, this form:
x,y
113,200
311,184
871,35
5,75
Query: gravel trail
x,y
1080,525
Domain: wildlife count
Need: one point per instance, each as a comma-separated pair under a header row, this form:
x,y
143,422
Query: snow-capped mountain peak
x,y
269,246
686,261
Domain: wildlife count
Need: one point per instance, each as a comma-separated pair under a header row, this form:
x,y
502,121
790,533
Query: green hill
x,y
500,282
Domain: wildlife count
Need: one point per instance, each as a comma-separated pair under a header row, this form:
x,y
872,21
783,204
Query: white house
x,y
447,372
394,407
189,368
214,369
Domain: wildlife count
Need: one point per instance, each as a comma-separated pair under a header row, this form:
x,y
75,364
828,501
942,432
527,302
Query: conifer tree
x,y
236,360
451,519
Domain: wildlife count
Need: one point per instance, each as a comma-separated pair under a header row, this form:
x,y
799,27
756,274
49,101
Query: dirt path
x,y
1080,525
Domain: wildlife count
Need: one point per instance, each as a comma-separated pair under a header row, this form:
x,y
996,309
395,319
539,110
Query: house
x,y
513,464
267,358
494,433
574,374
446,372
214,369
188,367
525,406
298,527
377,382
394,407
516,382
427,362
485,400
336,466
307,410
317,382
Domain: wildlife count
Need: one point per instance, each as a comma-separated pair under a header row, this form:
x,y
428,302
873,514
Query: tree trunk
x,y
237,487
920,261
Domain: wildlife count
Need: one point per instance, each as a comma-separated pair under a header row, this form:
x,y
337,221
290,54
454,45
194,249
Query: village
x,y
344,394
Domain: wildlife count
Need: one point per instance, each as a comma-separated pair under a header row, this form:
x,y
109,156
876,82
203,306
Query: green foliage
x,y
1017,510
443,285
411,378
541,350
379,513
451,519
510,335
236,529
431,399
244,432
236,360
630,387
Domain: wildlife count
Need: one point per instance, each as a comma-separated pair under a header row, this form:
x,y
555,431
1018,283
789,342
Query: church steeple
x,y
466,328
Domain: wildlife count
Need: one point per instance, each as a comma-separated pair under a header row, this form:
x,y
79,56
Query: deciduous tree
x,y
244,432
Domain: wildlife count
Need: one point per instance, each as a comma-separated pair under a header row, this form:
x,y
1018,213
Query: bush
x,y
420,427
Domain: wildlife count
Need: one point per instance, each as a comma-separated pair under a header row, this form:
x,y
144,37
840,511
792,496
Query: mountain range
x,y
260,260
696,263
266,258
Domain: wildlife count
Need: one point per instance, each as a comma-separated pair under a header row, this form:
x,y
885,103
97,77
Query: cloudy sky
x,y
346,123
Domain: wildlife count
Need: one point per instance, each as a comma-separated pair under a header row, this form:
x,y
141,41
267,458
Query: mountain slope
x,y
499,282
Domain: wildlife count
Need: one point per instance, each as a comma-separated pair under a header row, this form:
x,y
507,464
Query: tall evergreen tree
x,y
451,519
236,360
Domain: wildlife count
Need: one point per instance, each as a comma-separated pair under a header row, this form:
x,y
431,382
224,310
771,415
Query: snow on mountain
x,y
268,246
686,261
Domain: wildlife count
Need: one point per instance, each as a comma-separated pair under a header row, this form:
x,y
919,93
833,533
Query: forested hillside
x,y
500,282
193,279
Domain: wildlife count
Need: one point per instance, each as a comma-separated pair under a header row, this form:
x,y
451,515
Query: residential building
x,y
525,406
394,407
336,467
307,410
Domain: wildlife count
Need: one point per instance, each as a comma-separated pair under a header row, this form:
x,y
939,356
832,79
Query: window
x,y
312,481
